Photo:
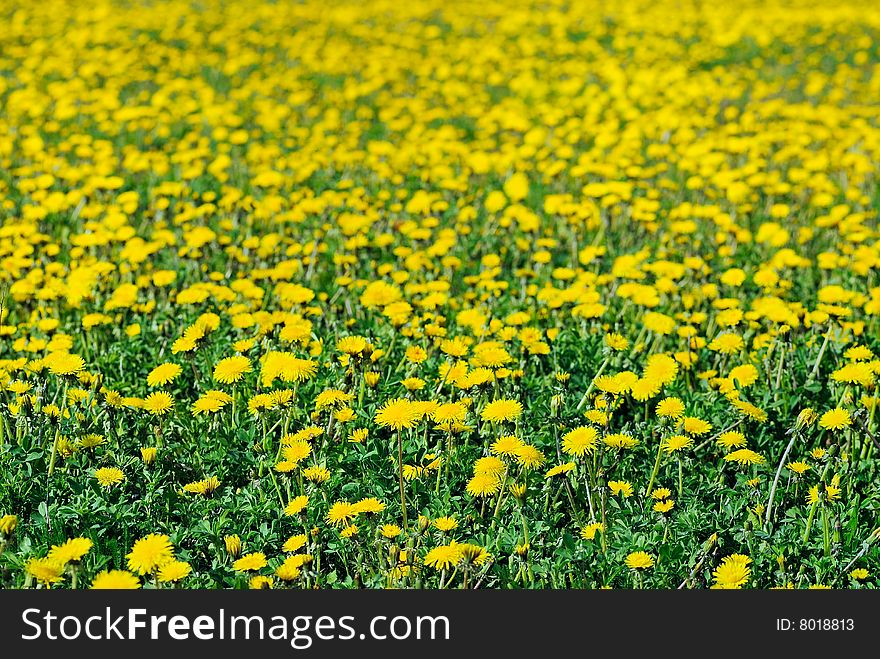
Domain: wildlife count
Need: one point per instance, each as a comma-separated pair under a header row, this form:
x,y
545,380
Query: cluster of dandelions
x,y
468,314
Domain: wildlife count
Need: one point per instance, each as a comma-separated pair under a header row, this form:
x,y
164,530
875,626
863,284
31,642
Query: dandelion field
x,y
439,295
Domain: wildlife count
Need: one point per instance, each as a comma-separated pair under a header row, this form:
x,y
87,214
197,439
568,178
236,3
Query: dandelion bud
x,y
518,490
807,417
233,545
711,542
424,523
148,455
371,378
7,525
522,550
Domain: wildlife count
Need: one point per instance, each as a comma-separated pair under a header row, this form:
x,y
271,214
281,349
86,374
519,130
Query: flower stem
x,y
776,478
400,479
656,469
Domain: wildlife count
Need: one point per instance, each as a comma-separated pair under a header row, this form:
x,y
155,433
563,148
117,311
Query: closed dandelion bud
x,y
807,417
314,531
371,378
148,455
556,402
518,490
7,525
780,560
393,553
711,542
233,545
424,523
522,550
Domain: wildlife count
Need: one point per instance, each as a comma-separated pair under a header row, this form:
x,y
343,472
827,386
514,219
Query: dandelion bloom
x,y
341,513
353,345
250,562
507,445
490,465
45,570
694,426
443,557
158,403
732,573
835,419
445,523
296,505
369,506
295,543
620,441
390,531
204,487
639,560
590,530
209,402
64,363
671,408
109,476
580,441
529,456
483,485
231,369
70,551
330,398
261,582
115,580
616,342
620,487
149,553
664,506
163,374
560,469
397,414
732,439
745,456
358,436
501,410
316,474
448,413
287,572
174,571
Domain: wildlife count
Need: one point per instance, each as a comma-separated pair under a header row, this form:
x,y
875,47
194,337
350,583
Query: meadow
x,y
537,294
